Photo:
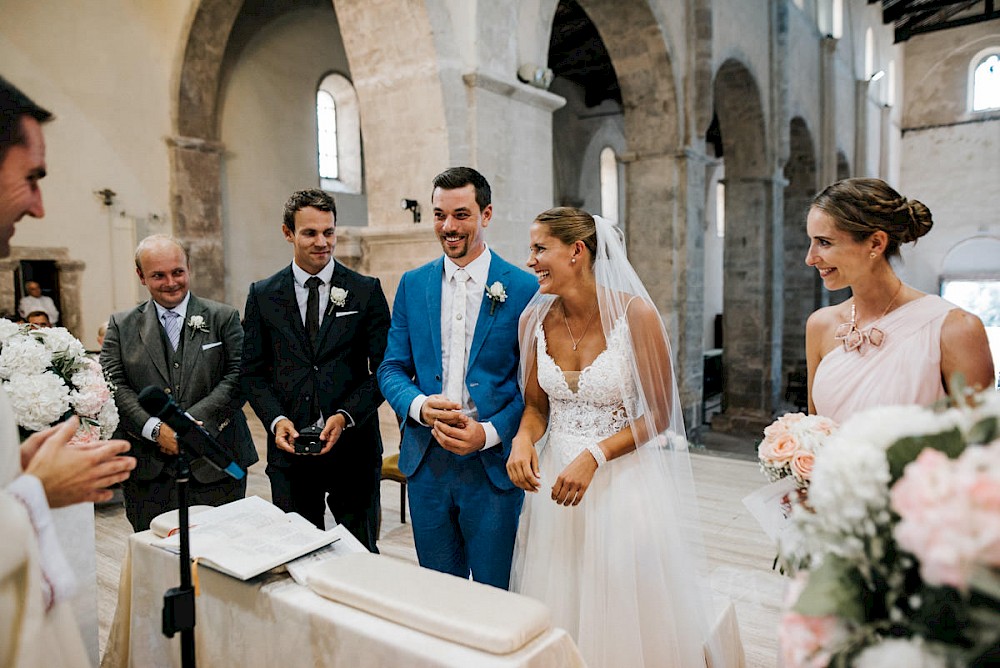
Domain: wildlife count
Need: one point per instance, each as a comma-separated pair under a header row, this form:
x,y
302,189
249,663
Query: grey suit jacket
x,y
206,384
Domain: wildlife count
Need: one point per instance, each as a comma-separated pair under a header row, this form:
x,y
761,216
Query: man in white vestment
x,y
36,626
36,301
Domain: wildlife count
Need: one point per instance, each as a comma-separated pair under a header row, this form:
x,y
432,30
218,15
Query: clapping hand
x,y
78,473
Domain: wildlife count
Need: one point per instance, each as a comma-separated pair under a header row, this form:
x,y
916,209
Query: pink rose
x,y
778,450
802,465
806,641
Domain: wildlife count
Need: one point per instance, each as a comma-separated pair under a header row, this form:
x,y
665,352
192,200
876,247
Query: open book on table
x,y
248,537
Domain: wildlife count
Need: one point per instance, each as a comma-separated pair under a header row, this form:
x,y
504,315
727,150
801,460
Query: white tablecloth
x,y
271,621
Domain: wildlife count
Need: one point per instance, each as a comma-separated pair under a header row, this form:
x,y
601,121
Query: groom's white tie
x,y
456,346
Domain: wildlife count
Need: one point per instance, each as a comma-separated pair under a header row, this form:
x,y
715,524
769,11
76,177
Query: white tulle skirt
x,y
614,569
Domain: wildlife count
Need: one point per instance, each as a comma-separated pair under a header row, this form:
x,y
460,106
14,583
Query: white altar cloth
x,y
271,621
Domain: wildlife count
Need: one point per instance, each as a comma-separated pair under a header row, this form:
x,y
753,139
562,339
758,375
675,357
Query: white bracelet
x,y
598,454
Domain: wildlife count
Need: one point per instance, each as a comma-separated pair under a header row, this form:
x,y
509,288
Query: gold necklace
x,y
576,341
854,338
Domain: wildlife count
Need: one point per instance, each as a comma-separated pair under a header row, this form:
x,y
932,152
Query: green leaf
x,y
984,431
906,449
833,589
985,581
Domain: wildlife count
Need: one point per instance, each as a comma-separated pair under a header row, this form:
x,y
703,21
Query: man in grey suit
x,y
190,348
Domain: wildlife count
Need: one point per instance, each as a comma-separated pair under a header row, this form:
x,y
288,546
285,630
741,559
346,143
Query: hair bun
x,y
917,221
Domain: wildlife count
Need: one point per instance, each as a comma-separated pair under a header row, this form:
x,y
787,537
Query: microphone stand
x,y
178,602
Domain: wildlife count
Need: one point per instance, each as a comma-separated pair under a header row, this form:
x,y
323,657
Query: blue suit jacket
x,y
412,363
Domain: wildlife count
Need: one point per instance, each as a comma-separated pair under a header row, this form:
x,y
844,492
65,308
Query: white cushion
x,y
461,611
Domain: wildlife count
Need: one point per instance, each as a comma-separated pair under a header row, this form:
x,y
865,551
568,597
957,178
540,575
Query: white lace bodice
x,y
598,408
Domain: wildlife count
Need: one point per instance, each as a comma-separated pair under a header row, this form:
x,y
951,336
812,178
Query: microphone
x,y
158,403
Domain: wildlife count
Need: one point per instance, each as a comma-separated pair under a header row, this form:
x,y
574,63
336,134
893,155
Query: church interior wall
x,y
110,90
268,128
943,137
437,85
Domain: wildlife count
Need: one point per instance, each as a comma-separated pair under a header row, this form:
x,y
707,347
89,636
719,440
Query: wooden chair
x,y
390,471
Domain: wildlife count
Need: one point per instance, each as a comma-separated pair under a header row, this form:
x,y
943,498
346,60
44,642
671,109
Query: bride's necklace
x,y
854,338
576,341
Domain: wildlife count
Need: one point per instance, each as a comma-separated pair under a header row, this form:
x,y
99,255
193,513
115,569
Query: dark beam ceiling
x,y
914,17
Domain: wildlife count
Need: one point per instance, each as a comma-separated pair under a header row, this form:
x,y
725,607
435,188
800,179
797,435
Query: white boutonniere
x,y
497,295
197,323
338,298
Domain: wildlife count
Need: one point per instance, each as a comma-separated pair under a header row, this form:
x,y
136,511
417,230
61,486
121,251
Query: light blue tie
x,y
172,323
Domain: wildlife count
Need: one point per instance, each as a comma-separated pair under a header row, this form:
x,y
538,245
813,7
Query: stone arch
x,y
195,151
752,307
663,245
802,288
395,76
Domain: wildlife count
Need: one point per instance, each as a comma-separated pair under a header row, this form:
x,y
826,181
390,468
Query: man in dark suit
x,y
451,371
191,348
315,333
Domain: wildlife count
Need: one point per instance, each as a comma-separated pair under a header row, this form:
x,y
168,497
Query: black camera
x,y
309,442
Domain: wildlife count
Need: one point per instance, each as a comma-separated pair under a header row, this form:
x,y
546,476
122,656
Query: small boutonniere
x,y
197,323
497,295
338,297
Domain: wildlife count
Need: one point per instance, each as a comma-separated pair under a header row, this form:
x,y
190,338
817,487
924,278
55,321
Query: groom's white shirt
x,y
478,270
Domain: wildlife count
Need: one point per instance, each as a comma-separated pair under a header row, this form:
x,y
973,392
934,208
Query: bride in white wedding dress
x,y
609,539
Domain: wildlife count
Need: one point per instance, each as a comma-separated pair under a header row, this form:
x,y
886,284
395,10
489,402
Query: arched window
x,y
837,20
985,82
869,53
338,135
326,127
609,184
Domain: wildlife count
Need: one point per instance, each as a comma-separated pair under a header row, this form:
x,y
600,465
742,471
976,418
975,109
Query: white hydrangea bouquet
x,y
897,555
49,377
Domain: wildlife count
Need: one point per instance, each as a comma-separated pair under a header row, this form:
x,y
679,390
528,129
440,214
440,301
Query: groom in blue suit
x,y
450,370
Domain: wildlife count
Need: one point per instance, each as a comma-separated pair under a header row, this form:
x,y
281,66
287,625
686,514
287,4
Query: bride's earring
x,y
572,260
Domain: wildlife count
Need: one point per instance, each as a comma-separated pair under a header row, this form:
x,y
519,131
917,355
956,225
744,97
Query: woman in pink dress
x,y
889,343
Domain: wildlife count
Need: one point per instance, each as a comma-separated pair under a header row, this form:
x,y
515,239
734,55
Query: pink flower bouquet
x,y
898,553
790,445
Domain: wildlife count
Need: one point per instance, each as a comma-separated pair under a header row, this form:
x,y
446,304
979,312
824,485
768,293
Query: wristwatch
x,y
156,431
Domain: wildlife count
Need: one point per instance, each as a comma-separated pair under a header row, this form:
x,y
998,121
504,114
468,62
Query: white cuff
x,y
492,437
147,429
276,421
416,406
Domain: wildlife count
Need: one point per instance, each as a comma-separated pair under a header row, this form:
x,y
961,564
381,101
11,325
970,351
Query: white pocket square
x,y
341,314
211,345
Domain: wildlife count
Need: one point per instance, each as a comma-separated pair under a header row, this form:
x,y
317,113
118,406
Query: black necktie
x,y
312,308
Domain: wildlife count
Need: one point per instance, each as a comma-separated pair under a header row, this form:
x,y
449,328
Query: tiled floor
x,y
739,554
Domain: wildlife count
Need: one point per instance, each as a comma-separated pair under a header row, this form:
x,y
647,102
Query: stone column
x,y
510,142
689,353
752,309
70,279
196,204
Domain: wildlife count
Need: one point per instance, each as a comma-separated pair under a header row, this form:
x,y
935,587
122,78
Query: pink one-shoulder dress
x,y
905,369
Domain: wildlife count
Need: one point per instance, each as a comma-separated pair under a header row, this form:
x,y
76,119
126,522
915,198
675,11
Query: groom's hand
x,y
466,437
439,408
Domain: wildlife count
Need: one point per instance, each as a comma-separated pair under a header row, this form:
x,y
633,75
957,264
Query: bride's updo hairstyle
x,y
570,225
864,206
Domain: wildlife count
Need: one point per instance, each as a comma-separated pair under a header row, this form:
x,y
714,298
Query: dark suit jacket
x,y
282,373
206,385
